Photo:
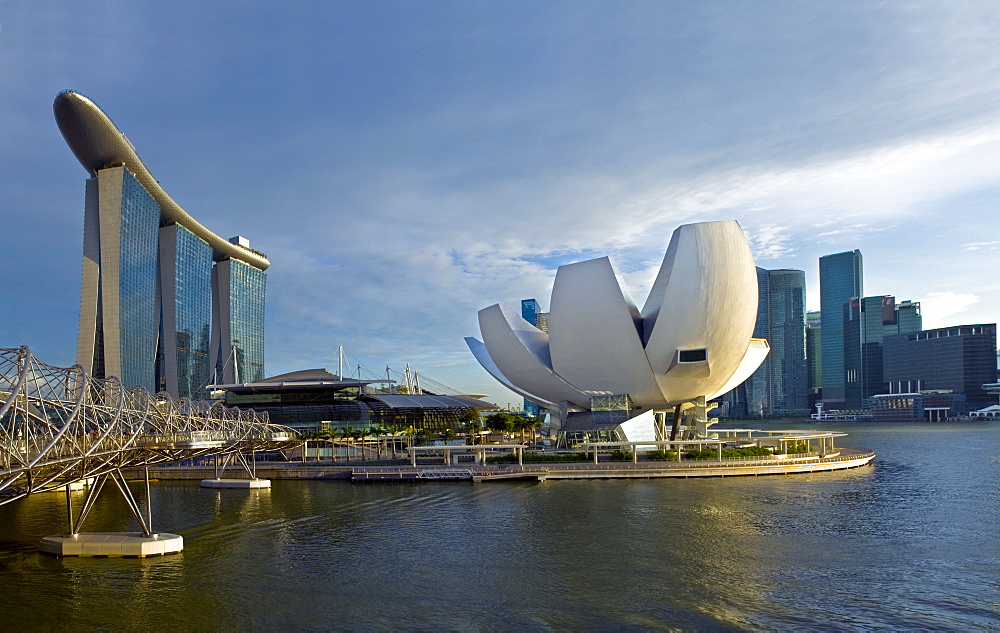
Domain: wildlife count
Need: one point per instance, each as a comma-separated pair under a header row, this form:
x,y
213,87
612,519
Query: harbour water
x,y
910,542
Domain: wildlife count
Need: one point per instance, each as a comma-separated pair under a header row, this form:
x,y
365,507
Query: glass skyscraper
x,y
867,322
530,310
186,290
780,385
840,280
239,327
148,314
120,303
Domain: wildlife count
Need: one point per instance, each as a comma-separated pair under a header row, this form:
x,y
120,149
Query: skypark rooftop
x,y
97,143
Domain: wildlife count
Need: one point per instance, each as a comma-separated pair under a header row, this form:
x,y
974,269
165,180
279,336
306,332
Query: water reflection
x,y
906,544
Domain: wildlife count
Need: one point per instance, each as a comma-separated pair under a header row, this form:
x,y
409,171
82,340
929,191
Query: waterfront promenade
x,y
603,469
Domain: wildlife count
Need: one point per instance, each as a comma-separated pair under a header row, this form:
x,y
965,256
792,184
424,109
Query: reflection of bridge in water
x,y
59,426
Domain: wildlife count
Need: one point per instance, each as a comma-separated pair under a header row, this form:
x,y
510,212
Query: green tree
x,y
473,428
448,435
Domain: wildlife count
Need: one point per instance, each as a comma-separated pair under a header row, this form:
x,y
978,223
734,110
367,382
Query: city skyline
x,y
406,165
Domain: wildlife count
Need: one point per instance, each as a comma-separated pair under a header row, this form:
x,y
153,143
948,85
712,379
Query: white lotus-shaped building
x,y
692,339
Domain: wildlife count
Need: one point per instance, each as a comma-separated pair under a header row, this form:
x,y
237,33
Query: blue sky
x,y
404,164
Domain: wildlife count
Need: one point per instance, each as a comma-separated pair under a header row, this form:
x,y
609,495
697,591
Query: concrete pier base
x,y
112,544
236,483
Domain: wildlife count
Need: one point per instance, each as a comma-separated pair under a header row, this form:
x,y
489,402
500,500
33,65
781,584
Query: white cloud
x,y
770,242
939,309
975,246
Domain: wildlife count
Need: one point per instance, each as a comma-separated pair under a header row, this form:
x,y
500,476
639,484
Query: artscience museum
x,y
606,370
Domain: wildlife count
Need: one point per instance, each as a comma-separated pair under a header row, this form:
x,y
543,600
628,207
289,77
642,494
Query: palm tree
x,y
534,425
394,430
346,433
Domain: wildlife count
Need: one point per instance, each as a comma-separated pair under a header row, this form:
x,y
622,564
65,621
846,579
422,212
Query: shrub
x,y
729,453
538,458
662,456
621,456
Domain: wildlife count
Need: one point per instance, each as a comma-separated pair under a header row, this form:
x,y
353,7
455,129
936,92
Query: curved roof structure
x,y
693,338
97,143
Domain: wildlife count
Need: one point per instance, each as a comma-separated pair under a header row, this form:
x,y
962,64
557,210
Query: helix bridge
x,y
59,426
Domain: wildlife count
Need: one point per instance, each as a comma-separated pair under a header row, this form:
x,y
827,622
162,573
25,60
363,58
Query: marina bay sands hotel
x,y
166,303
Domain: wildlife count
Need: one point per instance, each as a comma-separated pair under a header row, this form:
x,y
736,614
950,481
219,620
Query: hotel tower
x,y
166,304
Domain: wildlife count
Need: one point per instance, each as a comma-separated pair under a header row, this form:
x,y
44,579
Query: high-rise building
x,y
530,310
787,337
867,322
147,310
958,359
780,385
814,355
840,280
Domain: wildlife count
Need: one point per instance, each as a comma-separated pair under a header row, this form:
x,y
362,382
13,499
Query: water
x,y
910,543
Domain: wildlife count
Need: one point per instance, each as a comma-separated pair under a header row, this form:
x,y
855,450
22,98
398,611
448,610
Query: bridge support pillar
x,y
108,544
250,467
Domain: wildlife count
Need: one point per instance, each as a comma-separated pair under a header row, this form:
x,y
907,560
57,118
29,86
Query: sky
x,y
405,164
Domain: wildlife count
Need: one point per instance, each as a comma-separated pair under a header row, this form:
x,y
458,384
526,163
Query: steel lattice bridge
x,y
60,425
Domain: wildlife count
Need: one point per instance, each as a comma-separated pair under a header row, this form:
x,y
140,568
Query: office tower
x,y
867,322
757,388
958,359
530,310
814,355
146,308
840,280
542,321
780,385
787,337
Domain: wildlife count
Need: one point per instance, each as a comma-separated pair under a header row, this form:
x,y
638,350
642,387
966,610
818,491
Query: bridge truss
x,y
60,425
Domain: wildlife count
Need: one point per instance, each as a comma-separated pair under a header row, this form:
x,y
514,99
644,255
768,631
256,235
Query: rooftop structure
x,y
314,398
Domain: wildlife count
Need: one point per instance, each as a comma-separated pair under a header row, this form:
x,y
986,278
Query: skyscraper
x,y
840,280
149,268
867,322
530,310
814,355
780,385
787,337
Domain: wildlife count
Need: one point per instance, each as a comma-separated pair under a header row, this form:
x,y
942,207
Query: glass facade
x,y
147,295
137,281
868,321
246,309
787,337
840,280
814,352
780,385
192,313
530,310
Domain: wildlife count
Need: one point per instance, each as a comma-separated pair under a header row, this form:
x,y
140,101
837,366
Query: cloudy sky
x,y
404,164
